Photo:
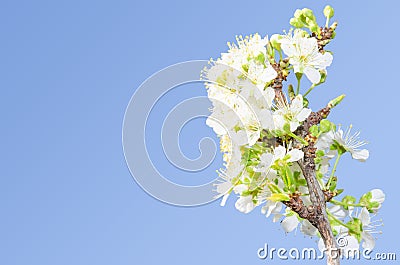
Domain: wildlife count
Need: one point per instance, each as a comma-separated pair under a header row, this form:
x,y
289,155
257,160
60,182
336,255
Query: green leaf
x,y
338,192
274,188
278,197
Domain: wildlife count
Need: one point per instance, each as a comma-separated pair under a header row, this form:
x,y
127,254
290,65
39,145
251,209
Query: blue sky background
x,y
68,70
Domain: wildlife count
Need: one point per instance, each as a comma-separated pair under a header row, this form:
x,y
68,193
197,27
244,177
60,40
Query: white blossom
x,y
245,204
377,196
290,223
293,114
349,142
304,55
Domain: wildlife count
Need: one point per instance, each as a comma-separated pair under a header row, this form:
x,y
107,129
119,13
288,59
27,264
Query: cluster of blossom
x,y
259,130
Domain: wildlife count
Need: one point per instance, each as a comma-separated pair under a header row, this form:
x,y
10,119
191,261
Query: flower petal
x,y
290,223
360,155
245,204
377,195
297,103
224,198
266,119
364,216
369,241
303,115
279,152
293,125
312,74
350,246
295,155
307,228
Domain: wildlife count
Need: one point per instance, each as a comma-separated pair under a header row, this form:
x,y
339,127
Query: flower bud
x,y
336,101
334,25
296,23
298,13
328,11
308,13
313,26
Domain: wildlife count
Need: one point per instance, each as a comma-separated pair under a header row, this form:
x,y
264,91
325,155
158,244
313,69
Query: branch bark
x,y
317,196
315,213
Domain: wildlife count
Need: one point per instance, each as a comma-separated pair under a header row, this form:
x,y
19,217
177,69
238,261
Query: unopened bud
x,y
298,13
313,26
334,25
334,102
296,23
308,13
328,11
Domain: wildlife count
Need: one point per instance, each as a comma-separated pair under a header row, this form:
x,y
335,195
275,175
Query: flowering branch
x,y
277,151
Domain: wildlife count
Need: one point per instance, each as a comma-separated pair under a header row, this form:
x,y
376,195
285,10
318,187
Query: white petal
x,y
324,141
224,198
273,208
290,223
369,241
253,137
267,159
312,74
240,188
279,121
364,216
222,188
338,211
303,115
377,195
360,155
350,245
293,125
266,119
269,95
325,60
277,217
268,74
308,229
297,103
295,155
245,204
240,137
279,152
288,48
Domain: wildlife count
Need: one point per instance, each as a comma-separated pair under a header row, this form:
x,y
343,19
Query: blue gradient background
x,y
68,70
